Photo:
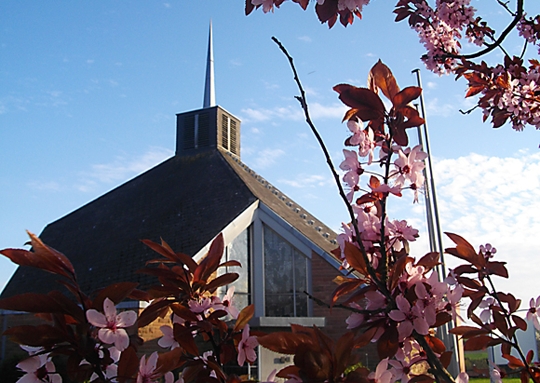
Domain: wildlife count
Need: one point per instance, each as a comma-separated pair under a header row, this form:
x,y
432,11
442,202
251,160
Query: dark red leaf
x,y
285,342
498,268
128,365
477,343
183,312
381,77
116,293
68,306
343,349
368,104
530,356
464,250
436,344
355,258
468,331
42,335
185,339
442,318
404,97
520,322
211,261
327,12
249,7
31,303
222,280
446,358
421,379
158,308
231,263
365,338
53,256
388,344
429,261
165,250
513,362
169,361
244,317
345,288
500,322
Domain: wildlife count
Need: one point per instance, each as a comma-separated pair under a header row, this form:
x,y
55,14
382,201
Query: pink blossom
x,y
426,302
454,297
246,347
226,303
375,300
111,370
485,314
271,377
268,5
147,369
534,312
353,170
169,378
410,166
167,340
38,369
382,374
112,325
199,307
409,318
357,129
487,251
401,231
355,319
385,188
462,378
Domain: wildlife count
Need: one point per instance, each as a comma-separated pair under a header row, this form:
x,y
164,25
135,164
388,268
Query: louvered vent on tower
x,y
189,132
207,128
225,131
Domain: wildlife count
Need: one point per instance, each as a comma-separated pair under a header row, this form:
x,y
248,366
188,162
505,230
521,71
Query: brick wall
x,y
322,275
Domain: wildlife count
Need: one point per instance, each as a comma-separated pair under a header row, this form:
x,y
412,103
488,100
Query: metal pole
x,y
434,230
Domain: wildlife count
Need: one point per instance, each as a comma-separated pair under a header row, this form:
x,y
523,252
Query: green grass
x,y
486,380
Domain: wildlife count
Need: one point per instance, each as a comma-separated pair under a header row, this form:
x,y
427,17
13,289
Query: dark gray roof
x,y
186,201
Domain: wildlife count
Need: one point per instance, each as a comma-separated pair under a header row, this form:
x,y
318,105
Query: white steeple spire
x,y
209,91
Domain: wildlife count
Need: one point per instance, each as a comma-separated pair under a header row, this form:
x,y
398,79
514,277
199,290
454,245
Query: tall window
x,y
238,250
285,270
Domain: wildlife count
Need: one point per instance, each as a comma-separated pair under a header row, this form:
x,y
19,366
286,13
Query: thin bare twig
x,y
517,16
303,102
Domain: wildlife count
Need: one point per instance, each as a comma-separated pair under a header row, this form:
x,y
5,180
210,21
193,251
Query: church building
x,y
203,190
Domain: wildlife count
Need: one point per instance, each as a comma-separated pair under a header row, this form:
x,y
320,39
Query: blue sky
x,y
89,93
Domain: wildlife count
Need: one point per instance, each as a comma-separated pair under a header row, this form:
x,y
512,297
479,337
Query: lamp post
x,y
457,363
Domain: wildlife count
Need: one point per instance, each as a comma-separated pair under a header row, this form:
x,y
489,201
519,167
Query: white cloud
x,y
122,168
294,112
266,158
306,39
335,111
435,108
494,200
235,62
432,85
45,186
308,181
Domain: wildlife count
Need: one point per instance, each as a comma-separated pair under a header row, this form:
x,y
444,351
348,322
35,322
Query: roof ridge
x,y
309,219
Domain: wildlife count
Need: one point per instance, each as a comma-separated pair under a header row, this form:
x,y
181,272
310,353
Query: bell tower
x,y
210,127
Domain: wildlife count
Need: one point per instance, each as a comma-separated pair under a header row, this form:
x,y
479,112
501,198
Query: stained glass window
x,y
286,271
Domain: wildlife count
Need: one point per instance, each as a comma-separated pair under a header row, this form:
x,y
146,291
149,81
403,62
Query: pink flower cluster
x,y
529,29
351,5
441,29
